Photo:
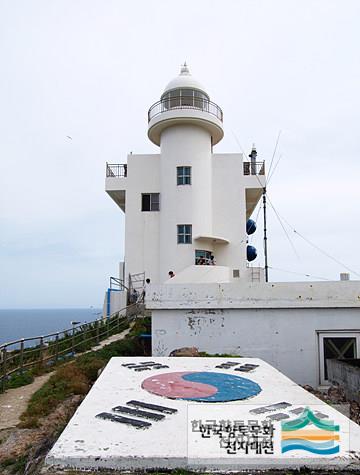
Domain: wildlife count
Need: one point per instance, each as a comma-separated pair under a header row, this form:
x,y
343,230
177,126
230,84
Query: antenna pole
x,y
265,238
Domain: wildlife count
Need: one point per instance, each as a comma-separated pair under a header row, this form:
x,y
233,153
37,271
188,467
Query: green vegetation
x,y
14,466
218,355
78,376
24,364
20,379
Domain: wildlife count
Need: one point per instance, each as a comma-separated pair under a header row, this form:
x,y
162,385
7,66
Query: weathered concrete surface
x,y
346,373
288,339
92,443
282,323
255,295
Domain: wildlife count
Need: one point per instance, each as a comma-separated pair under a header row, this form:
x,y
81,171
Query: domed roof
x,y
184,80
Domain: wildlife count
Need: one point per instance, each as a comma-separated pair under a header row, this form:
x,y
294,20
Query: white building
x,y
188,203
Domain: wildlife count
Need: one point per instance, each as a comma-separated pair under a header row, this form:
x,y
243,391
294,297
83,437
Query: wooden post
x,y
22,356
73,341
4,374
56,348
41,350
84,334
97,332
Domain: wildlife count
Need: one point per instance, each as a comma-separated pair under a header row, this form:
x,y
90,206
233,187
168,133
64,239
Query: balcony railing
x,y
116,170
254,168
185,102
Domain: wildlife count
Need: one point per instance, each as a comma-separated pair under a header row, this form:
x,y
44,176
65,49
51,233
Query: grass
x,y
14,466
20,379
43,358
76,377
218,355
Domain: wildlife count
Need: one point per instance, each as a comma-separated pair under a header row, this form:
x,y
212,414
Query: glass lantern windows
x,y
185,98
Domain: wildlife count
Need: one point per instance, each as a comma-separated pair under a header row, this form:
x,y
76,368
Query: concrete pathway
x,y
14,401
111,339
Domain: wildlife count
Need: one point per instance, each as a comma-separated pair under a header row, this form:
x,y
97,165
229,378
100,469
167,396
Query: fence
x,y
254,168
41,351
116,170
184,102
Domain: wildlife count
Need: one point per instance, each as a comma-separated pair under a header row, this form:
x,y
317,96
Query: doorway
x,y
338,345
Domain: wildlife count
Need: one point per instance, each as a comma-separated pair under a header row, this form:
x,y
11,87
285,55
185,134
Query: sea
x,y
20,323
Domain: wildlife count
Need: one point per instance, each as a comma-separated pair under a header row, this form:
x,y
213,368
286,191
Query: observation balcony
x,y
255,182
187,109
116,170
254,168
115,183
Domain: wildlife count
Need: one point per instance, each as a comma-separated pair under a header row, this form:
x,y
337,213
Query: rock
x,y
335,396
187,351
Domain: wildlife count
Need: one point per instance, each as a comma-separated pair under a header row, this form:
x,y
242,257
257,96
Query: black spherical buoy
x,y
251,253
250,226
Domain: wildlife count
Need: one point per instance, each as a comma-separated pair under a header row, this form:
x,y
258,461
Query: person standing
x,y
146,285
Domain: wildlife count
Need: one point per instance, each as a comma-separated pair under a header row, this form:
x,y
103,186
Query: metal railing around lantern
x,y
185,102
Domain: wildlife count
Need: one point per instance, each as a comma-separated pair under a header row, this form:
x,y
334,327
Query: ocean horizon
x,y
26,323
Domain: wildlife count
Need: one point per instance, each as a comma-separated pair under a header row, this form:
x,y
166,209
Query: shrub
x,y
77,376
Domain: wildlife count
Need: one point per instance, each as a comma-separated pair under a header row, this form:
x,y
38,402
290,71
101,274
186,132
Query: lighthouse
x,y
187,207
190,209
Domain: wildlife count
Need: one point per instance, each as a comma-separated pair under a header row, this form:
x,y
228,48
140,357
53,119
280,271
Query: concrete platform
x,y
213,416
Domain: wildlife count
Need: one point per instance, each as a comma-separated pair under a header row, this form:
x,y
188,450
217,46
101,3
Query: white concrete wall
x,y
117,301
255,295
184,145
142,227
274,321
284,338
214,204
229,215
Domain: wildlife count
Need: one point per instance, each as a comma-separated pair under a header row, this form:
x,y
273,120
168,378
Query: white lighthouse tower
x,y
186,207
186,125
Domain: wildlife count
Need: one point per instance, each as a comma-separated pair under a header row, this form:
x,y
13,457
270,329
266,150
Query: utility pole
x,y
265,238
253,171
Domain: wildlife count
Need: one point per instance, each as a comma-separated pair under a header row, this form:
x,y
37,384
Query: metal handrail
x,y
54,346
117,284
254,168
185,102
116,170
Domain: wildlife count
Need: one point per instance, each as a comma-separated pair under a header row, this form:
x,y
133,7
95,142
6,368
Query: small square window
x,y
184,233
150,202
184,175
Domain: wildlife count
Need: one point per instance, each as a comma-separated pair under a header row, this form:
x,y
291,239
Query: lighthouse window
x,y
174,99
184,175
201,100
184,233
150,202
187,98
184,98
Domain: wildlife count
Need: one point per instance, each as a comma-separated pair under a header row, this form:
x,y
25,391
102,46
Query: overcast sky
x,y
90,69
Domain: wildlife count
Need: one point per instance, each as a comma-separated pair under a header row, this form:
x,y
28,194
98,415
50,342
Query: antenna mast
x,y
253,171
265,238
